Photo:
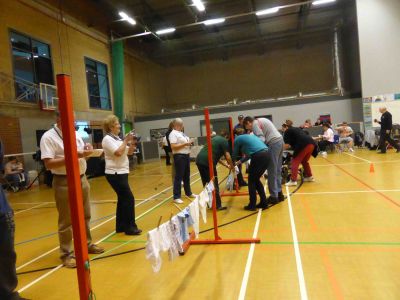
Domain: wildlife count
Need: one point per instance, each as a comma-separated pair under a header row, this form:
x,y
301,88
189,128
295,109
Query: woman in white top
x,y
327,138
116,151
180,145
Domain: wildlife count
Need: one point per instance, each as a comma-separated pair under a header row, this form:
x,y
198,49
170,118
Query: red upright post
x,y
211,168
233,144
74,185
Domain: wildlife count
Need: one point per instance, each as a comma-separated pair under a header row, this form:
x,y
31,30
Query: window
x,y
97,81
32,65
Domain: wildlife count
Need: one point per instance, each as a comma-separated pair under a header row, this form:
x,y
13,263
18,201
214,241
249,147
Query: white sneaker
x,y
291,183
351,150
309,179
178,201
193,196
324,154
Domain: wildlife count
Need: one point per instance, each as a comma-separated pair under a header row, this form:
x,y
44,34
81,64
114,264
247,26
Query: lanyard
x,y
57,131
117,138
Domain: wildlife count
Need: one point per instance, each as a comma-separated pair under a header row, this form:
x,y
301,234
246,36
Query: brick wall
x,y
10,134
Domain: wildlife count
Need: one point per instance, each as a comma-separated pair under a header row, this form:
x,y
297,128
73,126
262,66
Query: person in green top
x,y
220,147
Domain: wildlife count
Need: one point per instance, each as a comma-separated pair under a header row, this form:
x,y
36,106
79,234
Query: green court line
x,y
130,242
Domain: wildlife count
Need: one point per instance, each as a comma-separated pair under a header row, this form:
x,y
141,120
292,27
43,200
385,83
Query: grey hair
x,y
178,121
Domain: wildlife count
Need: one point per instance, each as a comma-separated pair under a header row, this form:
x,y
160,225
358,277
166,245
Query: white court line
x,y
360,158
99,241
358,163
347,192
28,209
245,280
300,273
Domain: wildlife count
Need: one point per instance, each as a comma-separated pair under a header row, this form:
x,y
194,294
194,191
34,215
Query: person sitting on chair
x,y
15,173
345,132
325,139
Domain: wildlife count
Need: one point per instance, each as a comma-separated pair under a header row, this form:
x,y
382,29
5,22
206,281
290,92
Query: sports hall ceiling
x,y
291,27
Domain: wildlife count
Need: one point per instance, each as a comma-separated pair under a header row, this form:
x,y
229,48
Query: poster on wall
x,y
157,134
372,104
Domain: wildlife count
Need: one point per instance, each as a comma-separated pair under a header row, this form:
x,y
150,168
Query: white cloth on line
x,y
194,212
153,249
203,200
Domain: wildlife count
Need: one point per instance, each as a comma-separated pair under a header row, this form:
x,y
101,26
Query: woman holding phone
x,y
180,145
116,151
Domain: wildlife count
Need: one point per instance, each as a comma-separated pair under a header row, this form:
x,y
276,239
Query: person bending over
x,y
303,146
386,127
15,173
253,148
220,148
116,151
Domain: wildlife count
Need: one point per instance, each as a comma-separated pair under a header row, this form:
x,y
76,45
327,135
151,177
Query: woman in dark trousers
x,y
116,151
180,145
303,146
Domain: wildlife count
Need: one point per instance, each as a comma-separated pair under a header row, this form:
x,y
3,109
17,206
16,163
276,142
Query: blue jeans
x,y
182,173
275,151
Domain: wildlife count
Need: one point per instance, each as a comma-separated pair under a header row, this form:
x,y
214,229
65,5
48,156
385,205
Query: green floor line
x,y
130,242
336,243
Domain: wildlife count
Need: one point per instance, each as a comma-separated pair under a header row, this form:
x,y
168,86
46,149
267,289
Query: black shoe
x,y
133,231
281,197
251,208
244,183
222,208
381,152
119,230
262,205
272,200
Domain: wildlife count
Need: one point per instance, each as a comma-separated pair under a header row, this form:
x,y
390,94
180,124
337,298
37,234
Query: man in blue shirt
x,y
8,275
253,148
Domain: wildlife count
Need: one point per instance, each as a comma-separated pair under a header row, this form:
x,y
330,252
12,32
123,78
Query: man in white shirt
x,y
345,132
180,145
52,154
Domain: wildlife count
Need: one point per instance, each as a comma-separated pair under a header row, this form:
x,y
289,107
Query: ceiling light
x,y
268,11
127,18
165,31
319,2
199,5
214,21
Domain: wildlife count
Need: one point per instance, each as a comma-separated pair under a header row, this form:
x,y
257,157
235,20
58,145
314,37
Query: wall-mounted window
x,y
97,82
32,65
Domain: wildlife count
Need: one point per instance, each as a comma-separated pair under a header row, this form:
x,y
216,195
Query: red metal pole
x,y
74,185
211,168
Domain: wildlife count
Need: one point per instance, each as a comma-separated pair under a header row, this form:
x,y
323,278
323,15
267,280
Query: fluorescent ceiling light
x,y
214,21
127,18
199,5
268,11
319,2
165,31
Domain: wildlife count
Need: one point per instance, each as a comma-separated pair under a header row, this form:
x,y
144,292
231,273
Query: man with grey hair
x,y
266,131
52,149
386,128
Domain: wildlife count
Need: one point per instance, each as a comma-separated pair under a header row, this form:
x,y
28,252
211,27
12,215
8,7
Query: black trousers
x,y
385,137
167,157
126,202
323,144
205,178
182,173
259,163
8,276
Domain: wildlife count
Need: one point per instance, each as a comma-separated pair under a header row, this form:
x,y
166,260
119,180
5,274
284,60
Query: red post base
x,y
186,245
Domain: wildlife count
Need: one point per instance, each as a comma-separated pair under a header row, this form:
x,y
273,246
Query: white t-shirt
x,y
329,135
178,137
115,164
52,146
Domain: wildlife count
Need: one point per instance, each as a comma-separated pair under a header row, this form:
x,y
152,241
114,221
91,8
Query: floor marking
x,y
331,275
357,163
360,158
245,280
104,238
335,243
28,209
346,192
365,184
300,273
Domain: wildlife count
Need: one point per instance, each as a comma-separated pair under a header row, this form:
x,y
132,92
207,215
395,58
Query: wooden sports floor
x,y
337,238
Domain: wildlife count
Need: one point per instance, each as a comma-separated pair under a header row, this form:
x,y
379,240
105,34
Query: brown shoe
x,y
94,249
69,262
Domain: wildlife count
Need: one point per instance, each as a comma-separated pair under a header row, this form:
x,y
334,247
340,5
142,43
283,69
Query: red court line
x,y
309,215
365,184
331,275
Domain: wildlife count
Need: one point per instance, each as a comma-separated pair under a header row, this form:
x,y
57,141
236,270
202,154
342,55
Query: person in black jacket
x,y
303,146
386,127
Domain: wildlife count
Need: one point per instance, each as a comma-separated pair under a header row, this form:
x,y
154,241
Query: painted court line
x,y
346,192
300,272
245,280
28,209
360,158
